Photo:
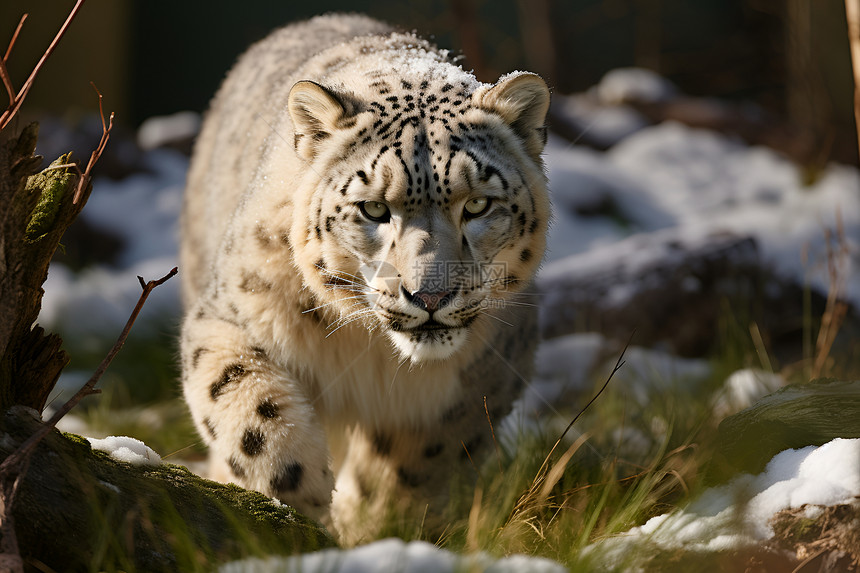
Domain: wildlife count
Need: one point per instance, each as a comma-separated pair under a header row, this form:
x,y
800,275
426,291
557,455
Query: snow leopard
x,y
362,223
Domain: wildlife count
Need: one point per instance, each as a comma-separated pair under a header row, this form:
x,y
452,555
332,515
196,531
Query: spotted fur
x,y
362,220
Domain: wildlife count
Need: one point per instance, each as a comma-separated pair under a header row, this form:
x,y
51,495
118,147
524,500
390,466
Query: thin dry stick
x,y
493,432
4,72
809,559
85,176
15,105
7,82
14,467
618,364
542,473
834,309
97,153
852,13
87,389
14,38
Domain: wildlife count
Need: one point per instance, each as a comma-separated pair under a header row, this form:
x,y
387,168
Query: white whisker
x,y
497,318
506,301
358,289
399,366
341,275
331,303
352,318
349,312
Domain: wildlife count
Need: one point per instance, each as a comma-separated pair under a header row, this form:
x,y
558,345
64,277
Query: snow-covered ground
x,y
393,555
739,513
699,182
656,178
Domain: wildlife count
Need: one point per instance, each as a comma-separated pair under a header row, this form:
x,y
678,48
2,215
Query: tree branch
x,y
16,102
97,152
15,466
25,449
14,38
4,71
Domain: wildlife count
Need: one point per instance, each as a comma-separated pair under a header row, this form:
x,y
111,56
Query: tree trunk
x,y
36,210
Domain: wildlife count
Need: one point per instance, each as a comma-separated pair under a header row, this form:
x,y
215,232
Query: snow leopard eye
x,y
476,207
375,211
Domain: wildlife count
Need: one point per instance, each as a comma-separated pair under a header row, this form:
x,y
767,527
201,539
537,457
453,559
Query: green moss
x,y
54,184
79,509
76,439
795,416
803,527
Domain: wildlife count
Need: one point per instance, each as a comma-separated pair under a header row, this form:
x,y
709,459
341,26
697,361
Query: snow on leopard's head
x,y
424,207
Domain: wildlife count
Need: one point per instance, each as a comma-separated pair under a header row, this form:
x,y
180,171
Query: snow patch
x,y
97,302
743,388
162,130
647,372
738,514
392,555
709,182
634,84
124,449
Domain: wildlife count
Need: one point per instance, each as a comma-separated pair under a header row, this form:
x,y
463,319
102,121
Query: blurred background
x,y
790,58
703,167
702,163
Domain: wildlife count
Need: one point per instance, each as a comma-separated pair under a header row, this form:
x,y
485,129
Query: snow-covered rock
x,y
739,513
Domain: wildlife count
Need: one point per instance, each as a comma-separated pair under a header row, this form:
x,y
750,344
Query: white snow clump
x,y
738,514
124,449
392,555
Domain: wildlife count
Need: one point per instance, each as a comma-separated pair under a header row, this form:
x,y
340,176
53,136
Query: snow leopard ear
x,y
522,101
316,113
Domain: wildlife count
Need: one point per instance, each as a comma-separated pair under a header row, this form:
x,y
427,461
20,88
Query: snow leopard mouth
x,y
431,325
429,341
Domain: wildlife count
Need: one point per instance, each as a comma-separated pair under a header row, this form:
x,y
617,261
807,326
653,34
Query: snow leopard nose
x,y
429,300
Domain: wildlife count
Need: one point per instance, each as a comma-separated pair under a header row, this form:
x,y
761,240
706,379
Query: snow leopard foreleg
x,y
262,430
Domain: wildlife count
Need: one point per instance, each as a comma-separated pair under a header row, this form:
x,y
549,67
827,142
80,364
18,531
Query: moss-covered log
x,y
80,510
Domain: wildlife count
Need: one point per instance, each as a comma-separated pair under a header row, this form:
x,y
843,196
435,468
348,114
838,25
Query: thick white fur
x,y
293,368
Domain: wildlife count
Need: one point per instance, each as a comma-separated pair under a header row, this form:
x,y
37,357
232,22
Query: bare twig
x,y
835,309
15,466
14,38
4,71
493,432
815,555
7,82
88,388
86,176
545,479
15,104
97,153
618,364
